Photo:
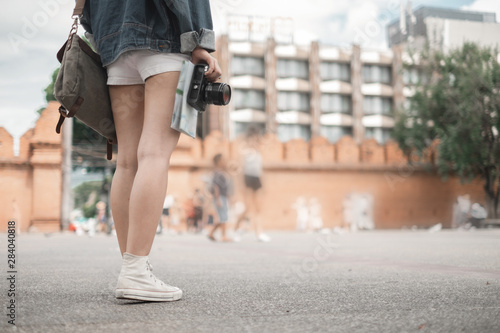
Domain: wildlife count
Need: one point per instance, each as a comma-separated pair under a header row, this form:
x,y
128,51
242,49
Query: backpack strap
x,y
78,11
109,150
64,113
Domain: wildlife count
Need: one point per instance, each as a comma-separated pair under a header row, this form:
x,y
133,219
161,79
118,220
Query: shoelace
x,y
149,267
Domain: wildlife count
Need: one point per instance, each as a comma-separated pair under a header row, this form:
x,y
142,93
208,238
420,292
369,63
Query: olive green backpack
x,y
81,86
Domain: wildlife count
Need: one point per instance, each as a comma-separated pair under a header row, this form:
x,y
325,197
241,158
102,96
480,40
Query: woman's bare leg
x,y
240,219
255,218
223,232
215,224
128,114
244,214
156,144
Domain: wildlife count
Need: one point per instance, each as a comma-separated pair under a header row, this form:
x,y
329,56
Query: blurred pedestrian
x,y
302,211
221,191
165,214
315,218
176,214
209,211
252,174
198,202
477,214
188,207
462,209
101,217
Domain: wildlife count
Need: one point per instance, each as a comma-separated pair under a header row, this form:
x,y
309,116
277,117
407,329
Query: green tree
x,y
49,91
459,106
83,191
86,195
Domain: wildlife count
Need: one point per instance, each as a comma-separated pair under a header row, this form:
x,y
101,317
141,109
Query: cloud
x,y
30,35
485,6
330,22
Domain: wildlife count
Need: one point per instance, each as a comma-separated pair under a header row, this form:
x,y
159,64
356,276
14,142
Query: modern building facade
x,y
443,28
299,91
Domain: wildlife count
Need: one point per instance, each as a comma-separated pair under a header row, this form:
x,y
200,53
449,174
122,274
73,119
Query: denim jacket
x,y
175,26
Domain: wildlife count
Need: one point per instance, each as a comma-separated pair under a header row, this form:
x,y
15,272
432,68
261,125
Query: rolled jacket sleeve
x,y
195,24
191,39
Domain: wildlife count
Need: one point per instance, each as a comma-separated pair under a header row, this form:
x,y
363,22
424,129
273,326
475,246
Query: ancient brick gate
x,y
30,189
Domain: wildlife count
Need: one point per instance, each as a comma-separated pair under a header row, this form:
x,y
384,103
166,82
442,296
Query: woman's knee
x,y
160,156
127,162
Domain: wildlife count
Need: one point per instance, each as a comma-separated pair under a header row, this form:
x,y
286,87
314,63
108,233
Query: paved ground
x,y
383,281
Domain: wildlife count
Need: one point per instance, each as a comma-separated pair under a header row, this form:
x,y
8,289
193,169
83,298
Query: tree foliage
x,y
83,193
457,104
49,90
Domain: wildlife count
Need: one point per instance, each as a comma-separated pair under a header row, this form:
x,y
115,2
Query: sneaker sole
x,y
143,295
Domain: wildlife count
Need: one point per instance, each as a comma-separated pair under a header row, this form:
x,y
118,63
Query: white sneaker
x,y
264,238
137,281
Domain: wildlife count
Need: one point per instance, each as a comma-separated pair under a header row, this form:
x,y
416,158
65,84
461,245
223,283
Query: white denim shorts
x,y
134,67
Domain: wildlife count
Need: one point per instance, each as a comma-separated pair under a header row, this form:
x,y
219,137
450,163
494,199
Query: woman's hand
x,y
200,55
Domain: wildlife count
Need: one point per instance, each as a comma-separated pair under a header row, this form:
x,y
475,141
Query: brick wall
x,y
403,195
30,190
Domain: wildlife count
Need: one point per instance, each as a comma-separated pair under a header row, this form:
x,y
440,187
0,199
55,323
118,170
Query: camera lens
x,y
217,93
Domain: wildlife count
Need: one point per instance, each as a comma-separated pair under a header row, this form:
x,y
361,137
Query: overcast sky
x,y
31,32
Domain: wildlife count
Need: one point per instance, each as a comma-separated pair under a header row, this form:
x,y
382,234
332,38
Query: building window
x,y
293,68
247,66
378,133
336,103
335,71
413,76
334,133
241,128
377,105
249,99
288,132
377,74
293,100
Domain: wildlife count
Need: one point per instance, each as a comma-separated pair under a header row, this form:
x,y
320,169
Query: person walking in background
x,y
252,174
300,206
315,218
102,219
220,192
175,217
165,214
143,45
198,202
188,209
209,211
462,210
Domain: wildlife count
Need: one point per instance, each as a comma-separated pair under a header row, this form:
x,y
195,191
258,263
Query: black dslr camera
x,y
201,92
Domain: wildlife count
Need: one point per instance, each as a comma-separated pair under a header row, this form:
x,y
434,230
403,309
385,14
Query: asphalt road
x,y
382,281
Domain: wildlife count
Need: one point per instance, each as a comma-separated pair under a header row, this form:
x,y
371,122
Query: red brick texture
x,y
404,195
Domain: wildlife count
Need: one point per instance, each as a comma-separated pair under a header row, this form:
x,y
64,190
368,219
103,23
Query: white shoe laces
x,y
149,267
